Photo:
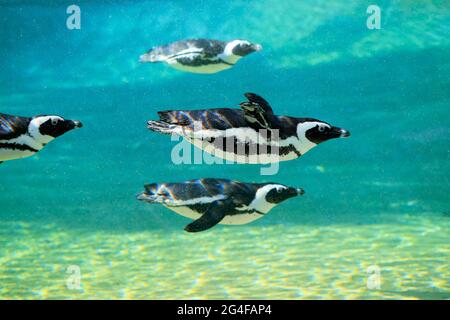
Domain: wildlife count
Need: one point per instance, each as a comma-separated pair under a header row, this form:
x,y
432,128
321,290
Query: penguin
x,y
213,201
252,134
201,55
22,137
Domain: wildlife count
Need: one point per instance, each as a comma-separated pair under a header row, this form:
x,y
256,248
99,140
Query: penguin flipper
x,y
257,111
254,98
160,126
212,216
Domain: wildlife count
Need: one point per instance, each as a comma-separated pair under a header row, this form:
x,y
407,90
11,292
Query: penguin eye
x,y
279,190
54,122
321,128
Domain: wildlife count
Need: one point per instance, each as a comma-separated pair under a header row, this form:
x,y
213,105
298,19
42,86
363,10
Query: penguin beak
x,y
339,133
257,47
77,124
344,133
300,192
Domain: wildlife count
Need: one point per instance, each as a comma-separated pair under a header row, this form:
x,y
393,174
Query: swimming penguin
x,y
22,137
201,55
252,134
212,201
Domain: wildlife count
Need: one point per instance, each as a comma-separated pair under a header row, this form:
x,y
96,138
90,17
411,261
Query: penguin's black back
x,y
12,126
227,118
207,187
210,48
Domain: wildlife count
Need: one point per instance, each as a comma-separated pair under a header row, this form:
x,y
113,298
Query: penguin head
x,y
316,131
243,47
47,128
278,193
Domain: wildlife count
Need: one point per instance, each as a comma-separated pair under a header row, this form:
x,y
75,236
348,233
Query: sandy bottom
x,y
251,262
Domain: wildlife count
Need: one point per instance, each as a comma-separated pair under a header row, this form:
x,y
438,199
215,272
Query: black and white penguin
x,y
252,134
213,201
201,55
22,137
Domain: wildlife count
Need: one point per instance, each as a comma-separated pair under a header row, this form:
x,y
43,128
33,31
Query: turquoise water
x,y
379,198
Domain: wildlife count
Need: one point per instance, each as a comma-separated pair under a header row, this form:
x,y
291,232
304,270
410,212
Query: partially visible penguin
x,y
212,201
252,134
22,137
201,55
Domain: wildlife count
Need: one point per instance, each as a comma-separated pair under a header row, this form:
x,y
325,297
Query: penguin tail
x,y
152,55
149,198
161,127
150,194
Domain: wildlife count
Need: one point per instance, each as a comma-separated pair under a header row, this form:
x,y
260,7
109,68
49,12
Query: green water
x,y
377,199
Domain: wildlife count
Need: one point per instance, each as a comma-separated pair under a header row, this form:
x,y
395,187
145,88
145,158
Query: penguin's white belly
x,y
210,68
9,154
241,218
185,212
238,158
230,220
235,155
